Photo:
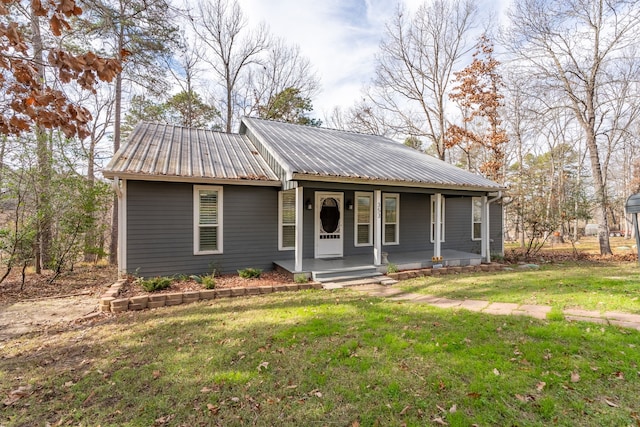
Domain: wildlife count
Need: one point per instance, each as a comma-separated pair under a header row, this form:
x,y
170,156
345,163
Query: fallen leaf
x,y
526,398
163,420
404,410
540,385
453,409
440,421
440,408
473,395
156,374
88,399
263,365
213,408
205,390
355,424
610,403
495,371
575,377
619,375
68,384
292,386
17,394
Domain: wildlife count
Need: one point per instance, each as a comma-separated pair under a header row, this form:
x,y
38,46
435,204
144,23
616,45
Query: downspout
x,y
489,201
116,186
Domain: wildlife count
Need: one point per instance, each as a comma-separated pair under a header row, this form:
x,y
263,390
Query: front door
x,y
329,225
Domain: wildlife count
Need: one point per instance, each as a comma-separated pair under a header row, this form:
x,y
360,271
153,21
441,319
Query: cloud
x,y
340,37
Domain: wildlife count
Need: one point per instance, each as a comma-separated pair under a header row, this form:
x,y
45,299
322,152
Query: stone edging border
x,y
109,302
410,274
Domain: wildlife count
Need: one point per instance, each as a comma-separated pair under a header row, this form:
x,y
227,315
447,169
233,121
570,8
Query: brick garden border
x,y
109,302
410,274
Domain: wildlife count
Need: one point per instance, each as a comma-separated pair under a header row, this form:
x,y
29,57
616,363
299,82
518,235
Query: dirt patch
x,y
41,304
267,278
83,280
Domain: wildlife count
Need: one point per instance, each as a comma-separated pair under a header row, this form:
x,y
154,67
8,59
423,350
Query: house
x,y
304,198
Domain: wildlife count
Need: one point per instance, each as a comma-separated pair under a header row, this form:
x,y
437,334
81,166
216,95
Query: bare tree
x,y
232,47
282,67
415,66
572,46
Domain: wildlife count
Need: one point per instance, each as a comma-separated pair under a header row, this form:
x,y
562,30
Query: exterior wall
x,y
415,221
496,210
160,227
160,230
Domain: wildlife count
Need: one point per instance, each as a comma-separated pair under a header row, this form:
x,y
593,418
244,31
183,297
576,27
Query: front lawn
x,y
584,284
321,358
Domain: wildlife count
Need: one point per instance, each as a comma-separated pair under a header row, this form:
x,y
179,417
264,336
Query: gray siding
x,y
160,229
495,228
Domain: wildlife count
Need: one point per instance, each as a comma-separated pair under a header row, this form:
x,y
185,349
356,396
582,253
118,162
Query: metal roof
x,y
313,153
168,152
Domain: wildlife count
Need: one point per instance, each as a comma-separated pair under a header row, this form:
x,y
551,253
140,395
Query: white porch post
x,y
377,228
120,187
485,250
437,238
299,230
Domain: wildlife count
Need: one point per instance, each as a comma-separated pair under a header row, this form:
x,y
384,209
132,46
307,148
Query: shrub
x,y
301,278
155,284
392,268
209,282
250,273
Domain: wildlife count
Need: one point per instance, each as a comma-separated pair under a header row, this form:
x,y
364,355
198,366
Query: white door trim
x,y
331,248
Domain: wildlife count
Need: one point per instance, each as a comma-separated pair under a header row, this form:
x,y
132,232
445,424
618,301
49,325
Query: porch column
x,y
484,233
299,228
437,238
120,187
377,227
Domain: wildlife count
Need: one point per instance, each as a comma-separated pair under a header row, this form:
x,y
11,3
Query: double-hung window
x,y
476,218
287,220
390,219
433,219
363,219
207,219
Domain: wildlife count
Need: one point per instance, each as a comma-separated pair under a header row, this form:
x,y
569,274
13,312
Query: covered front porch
x,y
361,266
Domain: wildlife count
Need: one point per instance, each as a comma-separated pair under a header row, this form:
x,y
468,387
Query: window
x,y
476,218
287,220
390,217
363,219
433,219
207,219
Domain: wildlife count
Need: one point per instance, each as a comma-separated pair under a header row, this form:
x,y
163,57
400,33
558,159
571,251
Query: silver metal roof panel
x,y
162,151
318,153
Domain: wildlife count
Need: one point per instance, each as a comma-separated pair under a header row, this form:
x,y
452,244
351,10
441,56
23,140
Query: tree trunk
x,y
600,190
43,156
113,245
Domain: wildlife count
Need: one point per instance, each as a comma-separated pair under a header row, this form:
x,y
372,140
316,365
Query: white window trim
x,y
384,219
473,206
196,219
433,219
355,219
281,224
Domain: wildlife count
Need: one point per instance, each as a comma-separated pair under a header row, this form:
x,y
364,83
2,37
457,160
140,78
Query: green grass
x,y
585,285
322,358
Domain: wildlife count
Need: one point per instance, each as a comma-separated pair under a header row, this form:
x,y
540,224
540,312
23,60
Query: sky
x,y
340,38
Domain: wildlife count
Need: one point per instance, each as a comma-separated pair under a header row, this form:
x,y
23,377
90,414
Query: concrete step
x,y
355,282
345,274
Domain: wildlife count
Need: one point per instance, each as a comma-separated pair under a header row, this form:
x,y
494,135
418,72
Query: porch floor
x,y
403,260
